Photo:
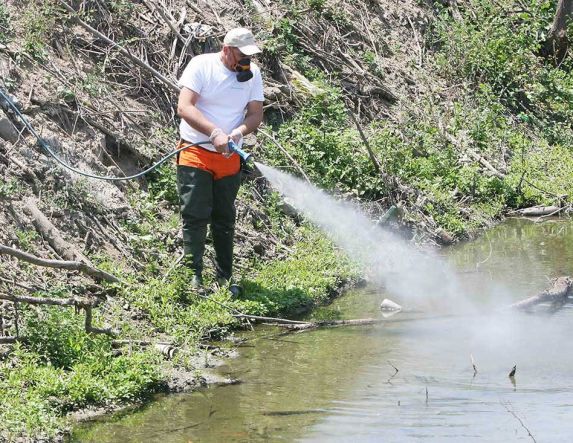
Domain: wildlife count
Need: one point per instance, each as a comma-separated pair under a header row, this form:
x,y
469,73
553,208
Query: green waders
x,y
204,200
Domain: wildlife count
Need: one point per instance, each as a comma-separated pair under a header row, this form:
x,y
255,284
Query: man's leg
x,y
223,222
195,188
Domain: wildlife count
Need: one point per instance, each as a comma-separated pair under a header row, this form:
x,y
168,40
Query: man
x,y
221,99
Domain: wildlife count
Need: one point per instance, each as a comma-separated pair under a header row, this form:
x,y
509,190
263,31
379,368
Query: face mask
x,y
243,67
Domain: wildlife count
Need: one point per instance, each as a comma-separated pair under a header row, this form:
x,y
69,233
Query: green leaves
x,y
61,368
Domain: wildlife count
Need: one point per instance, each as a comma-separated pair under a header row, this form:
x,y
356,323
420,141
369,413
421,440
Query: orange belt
x,y
213,162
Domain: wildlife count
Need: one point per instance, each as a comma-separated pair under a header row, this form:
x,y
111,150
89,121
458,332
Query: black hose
x,y
47,148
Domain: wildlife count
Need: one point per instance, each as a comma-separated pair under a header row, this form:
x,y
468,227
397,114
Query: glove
x,y
237,136
219,140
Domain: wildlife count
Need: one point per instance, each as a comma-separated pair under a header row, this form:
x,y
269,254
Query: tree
x,y
557,42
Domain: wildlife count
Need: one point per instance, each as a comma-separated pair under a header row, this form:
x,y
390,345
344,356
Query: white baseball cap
x,y
243,39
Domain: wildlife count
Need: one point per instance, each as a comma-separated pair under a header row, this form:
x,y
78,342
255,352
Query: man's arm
x,y
253,117
187,110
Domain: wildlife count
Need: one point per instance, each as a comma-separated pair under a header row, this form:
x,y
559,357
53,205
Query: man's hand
x,y
236,135
220,140
221,143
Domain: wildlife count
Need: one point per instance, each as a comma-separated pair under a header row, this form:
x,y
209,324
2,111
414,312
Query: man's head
x,y
238,47
243,40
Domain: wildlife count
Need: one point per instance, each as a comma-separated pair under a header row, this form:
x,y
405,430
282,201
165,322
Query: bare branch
x,y
97,274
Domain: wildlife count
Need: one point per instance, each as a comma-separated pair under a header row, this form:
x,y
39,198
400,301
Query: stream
x,y
341,384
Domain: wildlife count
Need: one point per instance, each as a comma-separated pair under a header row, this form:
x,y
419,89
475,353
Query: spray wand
x,y
233,147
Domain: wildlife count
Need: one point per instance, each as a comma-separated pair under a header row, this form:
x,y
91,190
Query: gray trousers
x,y
204,200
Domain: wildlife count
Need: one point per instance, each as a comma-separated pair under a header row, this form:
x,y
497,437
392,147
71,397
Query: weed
x,y
5,27
38,22
162,184
284,40
93,85
317,5
62,368
11,189
26,238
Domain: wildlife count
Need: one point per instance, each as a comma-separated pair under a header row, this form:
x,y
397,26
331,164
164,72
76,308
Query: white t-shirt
x,y
222,99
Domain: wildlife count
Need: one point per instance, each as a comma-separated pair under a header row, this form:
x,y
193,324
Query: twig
x,y
519,420
122,50
487,258
474,365
94,330
97,274
21,285
166,16
373,158
285,152
44,300
394,374
420,49
170,270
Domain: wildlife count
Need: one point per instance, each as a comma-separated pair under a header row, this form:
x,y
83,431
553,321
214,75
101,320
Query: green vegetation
x,y
318,138
306,278
512,111
26,238
5,27
38,21
61,368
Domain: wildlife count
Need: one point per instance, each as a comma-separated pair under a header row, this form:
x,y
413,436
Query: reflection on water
x,y
339,384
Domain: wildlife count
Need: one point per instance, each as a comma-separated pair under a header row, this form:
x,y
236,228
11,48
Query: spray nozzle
x,y
233,147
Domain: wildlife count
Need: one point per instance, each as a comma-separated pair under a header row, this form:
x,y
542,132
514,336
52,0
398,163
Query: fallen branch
x,y
84,268
537,211
45,300
270,319
48,231
556,294
93,330
9,340
301,326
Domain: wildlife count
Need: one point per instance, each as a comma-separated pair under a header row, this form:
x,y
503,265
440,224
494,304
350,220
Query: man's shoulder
x,y
204,59
209,57
255,67
206,56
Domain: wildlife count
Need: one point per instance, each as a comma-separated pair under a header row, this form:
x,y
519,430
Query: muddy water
x,y
340,384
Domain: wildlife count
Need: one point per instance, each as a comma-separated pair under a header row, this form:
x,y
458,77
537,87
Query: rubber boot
x,y
195,188
223,223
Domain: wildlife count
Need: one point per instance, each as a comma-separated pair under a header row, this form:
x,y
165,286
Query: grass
x,y
60,368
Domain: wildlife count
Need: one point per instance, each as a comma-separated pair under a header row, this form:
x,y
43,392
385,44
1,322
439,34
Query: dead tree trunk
x,y
557,42
51,234
557,294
